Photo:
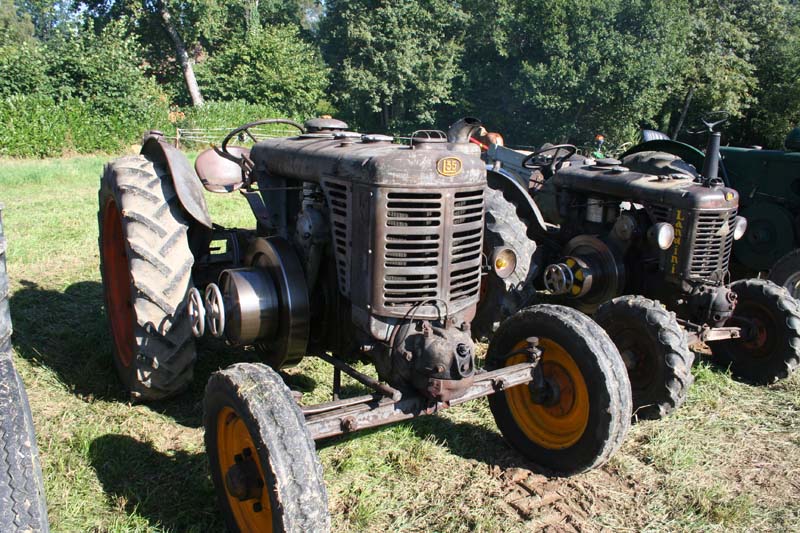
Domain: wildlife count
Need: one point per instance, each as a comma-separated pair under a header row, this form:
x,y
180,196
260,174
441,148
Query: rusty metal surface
x,y
619,182
184,178
219,174
364,379
380,412
697,334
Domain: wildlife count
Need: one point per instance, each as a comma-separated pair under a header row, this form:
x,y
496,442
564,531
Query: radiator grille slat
x,y
426,256
339,198
712,243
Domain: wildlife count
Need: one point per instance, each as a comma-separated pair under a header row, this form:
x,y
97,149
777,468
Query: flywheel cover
x,y
278,258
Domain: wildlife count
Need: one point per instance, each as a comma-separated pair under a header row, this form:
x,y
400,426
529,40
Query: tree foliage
x,y
263,68
555,70
394,63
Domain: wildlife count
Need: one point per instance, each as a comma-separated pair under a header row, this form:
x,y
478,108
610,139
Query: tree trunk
x,y
684,112
253,18
183,57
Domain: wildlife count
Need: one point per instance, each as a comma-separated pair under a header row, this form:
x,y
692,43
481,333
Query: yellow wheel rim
x,y
234,441
560,425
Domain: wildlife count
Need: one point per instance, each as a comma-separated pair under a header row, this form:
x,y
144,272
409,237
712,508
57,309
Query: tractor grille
x,y
412,257
465,245
339,197
712,242
431,248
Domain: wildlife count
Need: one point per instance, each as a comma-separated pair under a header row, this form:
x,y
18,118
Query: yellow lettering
x,y
678,215
678,225
674,259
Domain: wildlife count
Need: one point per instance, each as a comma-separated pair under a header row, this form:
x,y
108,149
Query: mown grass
x,y
728,461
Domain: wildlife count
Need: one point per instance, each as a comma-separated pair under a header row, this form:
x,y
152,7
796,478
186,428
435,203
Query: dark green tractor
x,y
768,182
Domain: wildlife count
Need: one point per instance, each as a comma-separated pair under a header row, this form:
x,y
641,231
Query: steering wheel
x,y
223,149
553,162
710,121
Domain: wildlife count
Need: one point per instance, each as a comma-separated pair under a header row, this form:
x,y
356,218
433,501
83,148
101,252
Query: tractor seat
x,y
653,135
219,174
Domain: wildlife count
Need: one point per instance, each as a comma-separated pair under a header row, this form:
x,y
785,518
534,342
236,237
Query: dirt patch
x,y
558,505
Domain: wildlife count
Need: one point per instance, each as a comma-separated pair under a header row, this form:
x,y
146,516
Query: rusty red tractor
x,y
363,247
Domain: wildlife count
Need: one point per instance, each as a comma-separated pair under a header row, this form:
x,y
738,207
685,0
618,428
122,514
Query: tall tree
x,y
186,62
547,70
395,63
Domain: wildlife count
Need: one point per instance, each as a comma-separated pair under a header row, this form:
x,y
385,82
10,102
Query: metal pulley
x,y
197,312
265,305
558,278
573,277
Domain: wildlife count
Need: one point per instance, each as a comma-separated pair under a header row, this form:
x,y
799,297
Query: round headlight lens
x,y
664,235
504,262
739,227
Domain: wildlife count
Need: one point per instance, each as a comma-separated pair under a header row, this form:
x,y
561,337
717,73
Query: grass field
x,y
728,461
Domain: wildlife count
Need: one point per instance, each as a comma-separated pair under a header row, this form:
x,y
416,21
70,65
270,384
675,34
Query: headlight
x,y
739,227
663,234
504,262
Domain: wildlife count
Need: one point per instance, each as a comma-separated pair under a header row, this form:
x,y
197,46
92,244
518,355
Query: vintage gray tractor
x,y
769,183
22,501
647,252
362,248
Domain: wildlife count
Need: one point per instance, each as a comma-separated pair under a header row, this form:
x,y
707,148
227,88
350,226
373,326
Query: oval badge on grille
x,y
449,166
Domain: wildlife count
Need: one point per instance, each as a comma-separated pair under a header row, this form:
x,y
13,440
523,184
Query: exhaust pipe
x,y
461,130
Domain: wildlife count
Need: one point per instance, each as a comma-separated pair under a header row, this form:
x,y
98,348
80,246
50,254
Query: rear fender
x,y
687,152
184,178
519,196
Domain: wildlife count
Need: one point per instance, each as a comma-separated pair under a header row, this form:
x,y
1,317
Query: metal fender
x,y
687,152
516,191
184,178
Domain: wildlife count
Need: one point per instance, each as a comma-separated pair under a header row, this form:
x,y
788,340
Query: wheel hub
x,y
548,395
242,480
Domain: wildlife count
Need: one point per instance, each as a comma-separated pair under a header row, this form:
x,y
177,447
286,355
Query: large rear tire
x,y
588,416
769,349
146,265
655,351
501,298
786,273
22,501
263,460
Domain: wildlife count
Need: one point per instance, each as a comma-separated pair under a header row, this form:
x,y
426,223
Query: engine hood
x,y
371,160
624,185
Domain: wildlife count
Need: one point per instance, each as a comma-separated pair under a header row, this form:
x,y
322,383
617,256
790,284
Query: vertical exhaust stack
x,y
462,129
711,163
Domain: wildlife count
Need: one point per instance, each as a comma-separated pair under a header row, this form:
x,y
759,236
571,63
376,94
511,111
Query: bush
x,y
23,70
38,126
275,67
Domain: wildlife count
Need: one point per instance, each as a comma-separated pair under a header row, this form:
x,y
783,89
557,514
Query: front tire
x,y
263,461
146,264
589,417
655,352
769,349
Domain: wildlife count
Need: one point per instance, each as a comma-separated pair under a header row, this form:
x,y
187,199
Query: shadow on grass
x,y
170,491
68,333
470,441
